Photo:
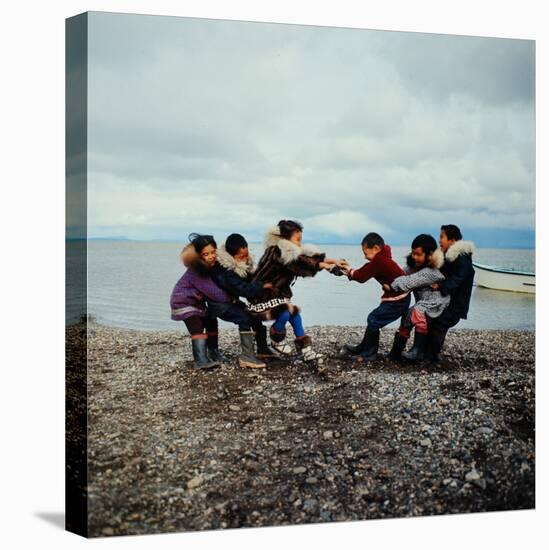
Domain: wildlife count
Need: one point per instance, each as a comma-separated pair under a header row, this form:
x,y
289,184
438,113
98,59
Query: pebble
x,y
180,429
478,412
472,475
310,505
195,482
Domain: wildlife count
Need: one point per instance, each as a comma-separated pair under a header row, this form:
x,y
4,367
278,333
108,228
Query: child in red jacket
x,y
384,270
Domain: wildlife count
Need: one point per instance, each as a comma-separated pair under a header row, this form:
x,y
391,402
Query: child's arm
x,y
306,266
237,286
210,290
367,271
421,278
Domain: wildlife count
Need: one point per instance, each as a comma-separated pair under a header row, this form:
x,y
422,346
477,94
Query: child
x,y
286,258
188,303
422,270
458,285
233,272
385,270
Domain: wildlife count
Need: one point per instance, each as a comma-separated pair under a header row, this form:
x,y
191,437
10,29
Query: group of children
x,y
441,280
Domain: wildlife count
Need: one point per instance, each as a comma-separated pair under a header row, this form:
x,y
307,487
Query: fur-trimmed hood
x,y
289,251
192,260
242,269
436,260
459,248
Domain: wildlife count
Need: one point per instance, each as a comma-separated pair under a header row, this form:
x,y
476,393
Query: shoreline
x,y
176,449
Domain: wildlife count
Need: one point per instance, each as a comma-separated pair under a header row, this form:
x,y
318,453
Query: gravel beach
x,y
171,448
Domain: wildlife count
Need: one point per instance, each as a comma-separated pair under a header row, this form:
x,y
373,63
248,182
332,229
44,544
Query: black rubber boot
x,y
417,353
264,351
399,343
200,356
435,342
370,345
364,345
212,344
247,358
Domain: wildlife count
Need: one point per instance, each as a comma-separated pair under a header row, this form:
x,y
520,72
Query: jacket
x,y
428,301
459,276
235,277
282,262
384,270
194,288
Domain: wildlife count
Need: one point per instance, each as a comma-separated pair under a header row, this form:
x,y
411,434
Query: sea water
x,y
130,282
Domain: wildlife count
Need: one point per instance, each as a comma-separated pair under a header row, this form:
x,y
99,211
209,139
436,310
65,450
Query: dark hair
x,y
373,239
288,227
452,232
234,243
427,243
201,241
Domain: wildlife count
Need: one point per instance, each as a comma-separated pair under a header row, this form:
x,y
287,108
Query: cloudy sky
x,y
221,126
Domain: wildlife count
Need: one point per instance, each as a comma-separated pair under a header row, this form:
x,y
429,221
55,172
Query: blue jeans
x,y
387,312
294,320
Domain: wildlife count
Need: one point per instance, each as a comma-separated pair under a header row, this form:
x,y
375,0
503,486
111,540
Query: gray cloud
x,y
197,124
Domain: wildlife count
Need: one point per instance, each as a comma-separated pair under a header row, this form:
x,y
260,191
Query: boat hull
x,y
511,281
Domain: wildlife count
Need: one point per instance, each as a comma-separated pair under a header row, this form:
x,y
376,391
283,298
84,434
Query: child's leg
x,y
419,321
195,326
241,317
278,333
212,331
280,324
385,313
297,324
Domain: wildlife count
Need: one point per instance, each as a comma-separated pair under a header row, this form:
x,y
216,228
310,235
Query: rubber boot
x,y
355,350
435,342
264,351
247,358
417,353
304,347
399,343
212,344
200,356
370,345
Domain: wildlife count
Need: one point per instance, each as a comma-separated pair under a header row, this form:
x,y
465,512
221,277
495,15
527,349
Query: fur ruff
x,y
437,258
242,269
289,251
459,248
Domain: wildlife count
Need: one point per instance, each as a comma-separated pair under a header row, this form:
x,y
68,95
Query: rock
x,y
480,483
478,412
107,531
310,505
444,401
472,475
195,482
328,434
299,470
484,430
234,408
425,442
311,480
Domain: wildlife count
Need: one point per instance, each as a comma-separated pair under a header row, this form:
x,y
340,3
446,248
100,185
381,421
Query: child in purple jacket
x,y
188,303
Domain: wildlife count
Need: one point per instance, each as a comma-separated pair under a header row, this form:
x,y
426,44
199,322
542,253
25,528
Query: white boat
x,y
505,279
